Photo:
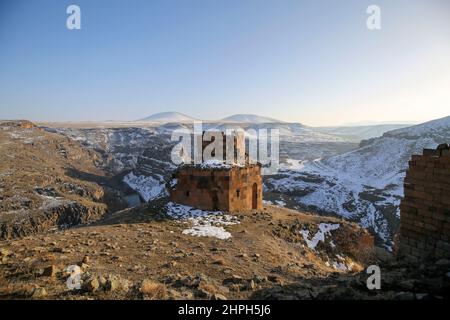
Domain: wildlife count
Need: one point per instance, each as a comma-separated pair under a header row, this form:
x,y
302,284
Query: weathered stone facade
x,y
220,187
425,208
226,189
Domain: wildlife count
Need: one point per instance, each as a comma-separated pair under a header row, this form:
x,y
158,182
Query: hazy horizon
x,y
310,62
351,124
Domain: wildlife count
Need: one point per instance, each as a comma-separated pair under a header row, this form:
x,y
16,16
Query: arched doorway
x,y
255,196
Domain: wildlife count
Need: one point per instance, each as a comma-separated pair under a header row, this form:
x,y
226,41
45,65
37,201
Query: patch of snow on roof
x,y
214,164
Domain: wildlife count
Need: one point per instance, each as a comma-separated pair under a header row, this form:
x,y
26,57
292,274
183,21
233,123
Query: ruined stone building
x,y
425,209
219,186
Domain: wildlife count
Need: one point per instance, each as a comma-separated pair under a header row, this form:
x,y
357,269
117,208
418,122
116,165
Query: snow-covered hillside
x,y
436,129
365,184
359,133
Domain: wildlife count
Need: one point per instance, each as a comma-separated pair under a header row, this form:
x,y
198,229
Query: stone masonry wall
x,y
246,188
425,208
201,188
230,189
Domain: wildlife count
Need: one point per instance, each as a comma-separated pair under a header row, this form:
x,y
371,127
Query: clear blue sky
x,y
309,61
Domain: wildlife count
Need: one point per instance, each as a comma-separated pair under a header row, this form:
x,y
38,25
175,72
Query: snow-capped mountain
x,y
359,133
177,117
365,184
250,118
168,117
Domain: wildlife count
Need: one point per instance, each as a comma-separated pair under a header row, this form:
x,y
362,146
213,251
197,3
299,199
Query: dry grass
x,y
153,290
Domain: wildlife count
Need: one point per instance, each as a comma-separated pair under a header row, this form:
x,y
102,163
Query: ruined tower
x,y
219,185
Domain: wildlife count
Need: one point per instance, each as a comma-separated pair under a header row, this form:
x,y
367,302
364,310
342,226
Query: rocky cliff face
x,y
46,181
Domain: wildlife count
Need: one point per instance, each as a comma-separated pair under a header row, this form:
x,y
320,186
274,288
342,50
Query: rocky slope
x,y
163,250
166,251
46,181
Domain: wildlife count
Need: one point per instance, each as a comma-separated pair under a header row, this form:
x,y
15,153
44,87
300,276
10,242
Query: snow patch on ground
x,y
203,223
148,187
208,231
331,258
52,202
280,203
324,230
342,265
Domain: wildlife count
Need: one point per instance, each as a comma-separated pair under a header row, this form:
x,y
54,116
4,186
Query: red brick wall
x,y
243,180
425,208
198,187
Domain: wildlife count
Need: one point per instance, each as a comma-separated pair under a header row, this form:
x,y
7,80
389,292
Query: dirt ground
x,y
134,247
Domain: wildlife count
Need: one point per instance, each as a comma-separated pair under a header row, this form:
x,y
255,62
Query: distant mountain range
x,y
348,133
362,132
173,116
377,123
166,117
250,118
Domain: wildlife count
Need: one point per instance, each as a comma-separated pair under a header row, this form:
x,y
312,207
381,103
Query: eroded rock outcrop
x,y
47,181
